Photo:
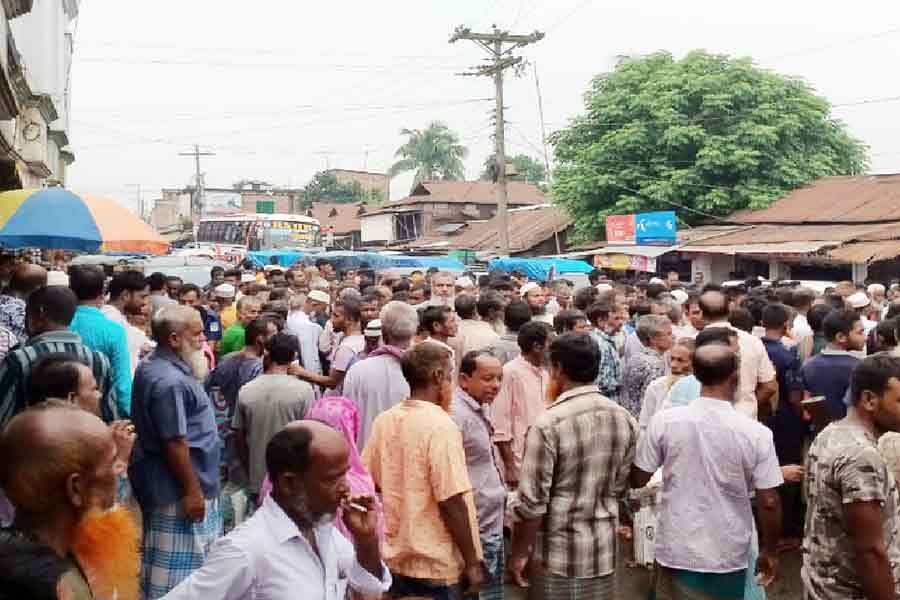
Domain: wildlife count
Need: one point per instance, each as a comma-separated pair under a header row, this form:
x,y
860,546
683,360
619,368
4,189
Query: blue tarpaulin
x,y
538,269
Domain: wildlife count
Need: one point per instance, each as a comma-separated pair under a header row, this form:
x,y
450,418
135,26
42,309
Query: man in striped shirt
x,y
49,312
577,458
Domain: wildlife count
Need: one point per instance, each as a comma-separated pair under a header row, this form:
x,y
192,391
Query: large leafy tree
x,y
324,187
704,135
527,169
433,153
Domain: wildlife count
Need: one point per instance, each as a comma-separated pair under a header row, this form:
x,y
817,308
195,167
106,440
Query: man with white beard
x,y
175,464
442,290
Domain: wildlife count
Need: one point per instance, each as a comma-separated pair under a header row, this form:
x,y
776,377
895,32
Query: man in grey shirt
x,y
267,404
479,382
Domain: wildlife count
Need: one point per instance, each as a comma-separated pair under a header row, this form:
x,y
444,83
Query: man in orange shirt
x,y
416,458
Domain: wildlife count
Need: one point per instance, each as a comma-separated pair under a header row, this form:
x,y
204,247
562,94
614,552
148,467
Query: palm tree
x,y
433,153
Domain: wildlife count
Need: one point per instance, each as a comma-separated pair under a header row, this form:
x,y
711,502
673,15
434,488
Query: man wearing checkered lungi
x,y
175,465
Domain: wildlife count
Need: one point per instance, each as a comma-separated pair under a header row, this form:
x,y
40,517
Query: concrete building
x,y
35,91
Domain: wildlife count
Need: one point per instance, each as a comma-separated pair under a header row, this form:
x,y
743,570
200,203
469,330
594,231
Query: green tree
x,y
527,169
324,187
704,135
433,153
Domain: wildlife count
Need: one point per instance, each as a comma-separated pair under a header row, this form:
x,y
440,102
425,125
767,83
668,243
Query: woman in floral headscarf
x,y
343,415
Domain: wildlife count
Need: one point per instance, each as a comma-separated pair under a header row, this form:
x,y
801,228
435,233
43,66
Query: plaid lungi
x,y
556,587
174,546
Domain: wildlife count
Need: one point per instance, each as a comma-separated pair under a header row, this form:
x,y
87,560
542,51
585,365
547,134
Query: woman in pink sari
x,y
343,415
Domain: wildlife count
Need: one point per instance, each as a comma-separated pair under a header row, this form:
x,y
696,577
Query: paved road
x,y
633,584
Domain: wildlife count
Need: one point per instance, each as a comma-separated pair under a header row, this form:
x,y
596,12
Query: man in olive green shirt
x,y
234,337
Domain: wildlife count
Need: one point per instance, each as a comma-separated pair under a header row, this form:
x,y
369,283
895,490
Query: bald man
x,y
758,384
279,552
60,469
714,460
25,279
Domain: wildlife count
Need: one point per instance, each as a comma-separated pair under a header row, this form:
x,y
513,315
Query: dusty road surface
x,y
633,584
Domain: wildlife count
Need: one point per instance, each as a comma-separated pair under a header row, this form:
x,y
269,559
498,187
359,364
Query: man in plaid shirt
x,y
577,458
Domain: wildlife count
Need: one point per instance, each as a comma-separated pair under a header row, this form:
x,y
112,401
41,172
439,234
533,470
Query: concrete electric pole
x,y
501,58
197,200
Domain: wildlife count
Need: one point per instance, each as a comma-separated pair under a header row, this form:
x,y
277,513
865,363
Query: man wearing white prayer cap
x,y
533,295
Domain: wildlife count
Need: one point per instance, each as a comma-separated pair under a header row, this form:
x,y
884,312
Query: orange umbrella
x,y
56,218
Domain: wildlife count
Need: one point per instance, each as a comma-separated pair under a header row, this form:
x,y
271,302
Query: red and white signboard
x,y
620,229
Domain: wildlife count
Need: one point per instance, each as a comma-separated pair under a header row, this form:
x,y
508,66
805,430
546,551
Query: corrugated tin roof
x,y
477,192
856,199
796,247
863,252
449,227
343,218
776,234
527,228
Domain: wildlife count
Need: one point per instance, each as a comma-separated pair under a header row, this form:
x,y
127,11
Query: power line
x,y
832,45
363,68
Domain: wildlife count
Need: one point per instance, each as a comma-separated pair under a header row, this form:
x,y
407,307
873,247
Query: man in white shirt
x,y
713,459
290,548
306,330
758,383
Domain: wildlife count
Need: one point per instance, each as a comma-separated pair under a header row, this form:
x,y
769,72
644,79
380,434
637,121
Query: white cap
x,y
858,300
657,280
319,296
268,268
680,296
224,290
527,288
464,282
373,328
603,287
248,278
57,278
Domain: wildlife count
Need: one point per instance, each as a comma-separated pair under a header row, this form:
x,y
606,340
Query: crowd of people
x,y
305,432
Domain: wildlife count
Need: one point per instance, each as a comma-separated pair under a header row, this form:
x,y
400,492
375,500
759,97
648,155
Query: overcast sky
x,y
281,89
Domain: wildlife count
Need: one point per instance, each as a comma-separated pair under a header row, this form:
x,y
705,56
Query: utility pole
x,y
197,200
501,58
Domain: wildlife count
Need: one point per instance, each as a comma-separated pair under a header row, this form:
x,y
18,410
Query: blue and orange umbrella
x,y
55,218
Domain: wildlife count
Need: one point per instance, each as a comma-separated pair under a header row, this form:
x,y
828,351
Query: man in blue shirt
x,y
828,373
100,333
175,464
789,430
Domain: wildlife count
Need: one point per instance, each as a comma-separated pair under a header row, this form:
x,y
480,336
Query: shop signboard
x,y
620,229
625,262
655,228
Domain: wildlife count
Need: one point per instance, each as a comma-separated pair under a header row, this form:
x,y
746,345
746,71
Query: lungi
x,y
174,546
676,584
556,587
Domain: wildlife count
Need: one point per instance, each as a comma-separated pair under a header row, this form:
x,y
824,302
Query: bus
x,y
230,237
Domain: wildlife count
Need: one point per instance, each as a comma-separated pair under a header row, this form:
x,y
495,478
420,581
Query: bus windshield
x,y
260,234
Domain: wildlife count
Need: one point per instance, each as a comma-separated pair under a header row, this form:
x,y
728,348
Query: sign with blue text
x,y
655,227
